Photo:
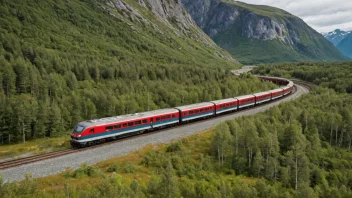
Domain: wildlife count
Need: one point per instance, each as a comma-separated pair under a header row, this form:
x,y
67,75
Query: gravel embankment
x,y
73,161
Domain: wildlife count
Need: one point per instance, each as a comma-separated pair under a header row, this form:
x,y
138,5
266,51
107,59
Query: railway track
x,y
36,158
307,85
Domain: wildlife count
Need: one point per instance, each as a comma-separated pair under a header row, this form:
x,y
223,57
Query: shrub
x,y
85,169
177,162
129,168
113,168
174,147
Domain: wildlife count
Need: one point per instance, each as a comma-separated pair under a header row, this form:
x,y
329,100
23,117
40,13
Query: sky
x,y
322,15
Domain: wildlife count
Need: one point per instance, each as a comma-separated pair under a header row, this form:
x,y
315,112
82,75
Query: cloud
x,y
322,15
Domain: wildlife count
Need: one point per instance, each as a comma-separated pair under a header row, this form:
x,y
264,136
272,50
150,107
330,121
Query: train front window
x,y
78,129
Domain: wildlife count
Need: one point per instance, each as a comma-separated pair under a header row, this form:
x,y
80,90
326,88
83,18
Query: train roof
x,y
194,106
262,93
276,90
244,97
224,100
287,87
122,118
290,83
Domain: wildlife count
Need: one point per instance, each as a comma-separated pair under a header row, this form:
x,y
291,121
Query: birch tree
x,y
221,142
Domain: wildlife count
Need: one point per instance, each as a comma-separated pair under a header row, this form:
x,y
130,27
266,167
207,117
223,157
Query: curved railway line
x,y
50,155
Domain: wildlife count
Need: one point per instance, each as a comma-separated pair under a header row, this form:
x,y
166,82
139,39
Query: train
x,y
96,131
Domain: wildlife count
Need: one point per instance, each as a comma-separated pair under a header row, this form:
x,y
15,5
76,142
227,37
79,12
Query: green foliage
x,y
27,188
336,76
174,147
129,168
67,61
86,170
298,149
221,142
261,9
113,168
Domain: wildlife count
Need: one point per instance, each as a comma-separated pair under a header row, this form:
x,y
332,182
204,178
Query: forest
x,y
300,148
336,76
62,62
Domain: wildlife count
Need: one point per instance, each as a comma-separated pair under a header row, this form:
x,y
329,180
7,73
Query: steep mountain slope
x,y
336,36
111,28
255,34
345,45
64,61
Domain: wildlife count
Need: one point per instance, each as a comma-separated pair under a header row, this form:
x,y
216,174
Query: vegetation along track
x,y
305,84
37,158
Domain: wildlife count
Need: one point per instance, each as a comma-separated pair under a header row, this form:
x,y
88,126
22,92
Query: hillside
x,y
260,34
345,45
154,32
64,61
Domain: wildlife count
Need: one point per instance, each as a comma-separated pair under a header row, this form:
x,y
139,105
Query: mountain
x,y
336,36
260,34
345,45
144,30
64,61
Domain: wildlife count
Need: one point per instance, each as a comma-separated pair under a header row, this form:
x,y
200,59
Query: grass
x,y
263,10
33,147
196,144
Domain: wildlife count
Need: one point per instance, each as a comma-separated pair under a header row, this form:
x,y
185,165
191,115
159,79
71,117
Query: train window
x,y
157,119
202,110
196,111
163,117
130,124
227,105
138,122
124,125
117,126
173,115
168,116
108,128
91,130
190,112
144,121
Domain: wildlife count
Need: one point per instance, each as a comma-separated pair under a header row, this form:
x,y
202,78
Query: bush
x,y
154,159
113,168
129,168
87,170
174,147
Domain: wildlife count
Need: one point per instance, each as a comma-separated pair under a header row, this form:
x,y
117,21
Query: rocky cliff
x,y
171,14
255,33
